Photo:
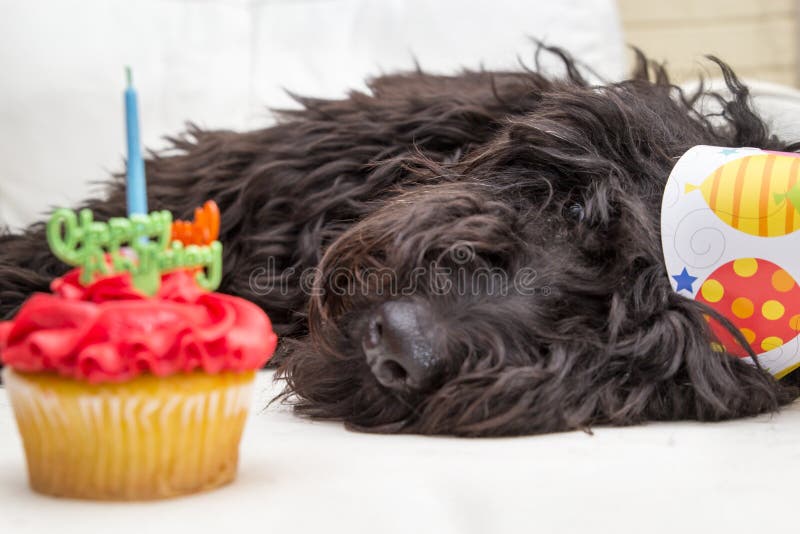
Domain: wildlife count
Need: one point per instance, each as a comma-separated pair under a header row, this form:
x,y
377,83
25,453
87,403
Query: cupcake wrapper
x,y
148,438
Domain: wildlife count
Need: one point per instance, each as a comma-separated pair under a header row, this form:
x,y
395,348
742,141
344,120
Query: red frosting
x,y
109,332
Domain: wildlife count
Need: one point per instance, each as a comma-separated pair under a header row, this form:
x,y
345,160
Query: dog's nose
x,y
398,347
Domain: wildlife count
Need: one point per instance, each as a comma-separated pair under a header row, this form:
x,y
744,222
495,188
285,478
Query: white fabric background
x,y
220,63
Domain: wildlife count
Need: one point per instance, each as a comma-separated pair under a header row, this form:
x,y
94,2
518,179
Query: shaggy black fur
x,y
552,186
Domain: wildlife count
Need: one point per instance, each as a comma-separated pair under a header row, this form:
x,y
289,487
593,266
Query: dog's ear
x,y
691,377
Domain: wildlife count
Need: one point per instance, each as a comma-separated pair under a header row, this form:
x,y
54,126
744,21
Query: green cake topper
x,y
141,245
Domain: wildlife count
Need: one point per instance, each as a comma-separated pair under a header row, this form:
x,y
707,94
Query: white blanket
x,y
298,476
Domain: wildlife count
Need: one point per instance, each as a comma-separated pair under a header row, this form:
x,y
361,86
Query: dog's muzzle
x,y
398,347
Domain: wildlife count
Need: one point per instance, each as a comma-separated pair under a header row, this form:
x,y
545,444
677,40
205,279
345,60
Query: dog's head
x,y
521,288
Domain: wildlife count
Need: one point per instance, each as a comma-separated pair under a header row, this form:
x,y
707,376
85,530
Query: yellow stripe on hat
x,y
721,197
747,194
765,196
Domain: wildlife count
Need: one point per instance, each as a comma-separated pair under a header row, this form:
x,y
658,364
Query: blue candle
x,y
136,191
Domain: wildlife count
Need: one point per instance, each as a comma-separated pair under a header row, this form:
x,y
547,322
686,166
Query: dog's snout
x,y
398,347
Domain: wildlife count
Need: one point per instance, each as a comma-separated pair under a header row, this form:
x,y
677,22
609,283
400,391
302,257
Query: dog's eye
x,y
575,211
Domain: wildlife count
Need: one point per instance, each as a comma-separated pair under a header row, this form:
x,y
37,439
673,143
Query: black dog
x,y
471,255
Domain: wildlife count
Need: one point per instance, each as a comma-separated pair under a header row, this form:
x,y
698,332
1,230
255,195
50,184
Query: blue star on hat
x,y
728,152
685,281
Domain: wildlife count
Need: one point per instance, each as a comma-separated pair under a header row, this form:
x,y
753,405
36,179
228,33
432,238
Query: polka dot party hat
x,y
729,230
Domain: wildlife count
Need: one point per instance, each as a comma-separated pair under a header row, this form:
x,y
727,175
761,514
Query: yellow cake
x,y
120,396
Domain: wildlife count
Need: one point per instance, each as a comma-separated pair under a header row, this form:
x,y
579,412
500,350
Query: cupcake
x,y
125,393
